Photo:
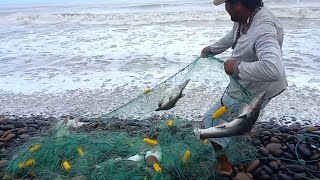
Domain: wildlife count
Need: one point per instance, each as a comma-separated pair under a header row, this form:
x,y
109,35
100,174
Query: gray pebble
x,y
315,156
8,127
275,140
256,142
274,177
299,176
19,124
295,168
304,150
274,166
266,133
288,155
284,177
265,177
272,147
278,153
263,151
32,129
33,126
267,169
24,136
312,167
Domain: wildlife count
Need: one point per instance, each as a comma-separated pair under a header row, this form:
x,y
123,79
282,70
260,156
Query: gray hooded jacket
x,y
258,53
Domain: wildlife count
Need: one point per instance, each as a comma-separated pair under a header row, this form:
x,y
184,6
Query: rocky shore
x,y
286,151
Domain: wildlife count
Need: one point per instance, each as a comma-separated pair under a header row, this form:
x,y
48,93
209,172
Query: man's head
x,y
239,10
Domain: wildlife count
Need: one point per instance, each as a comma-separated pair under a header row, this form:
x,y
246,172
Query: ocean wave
x,y
144,17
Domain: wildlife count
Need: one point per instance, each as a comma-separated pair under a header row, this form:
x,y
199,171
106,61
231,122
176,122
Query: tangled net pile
x,y
104,155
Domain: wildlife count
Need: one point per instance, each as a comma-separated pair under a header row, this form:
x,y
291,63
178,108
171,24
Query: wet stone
x,y
292,148
33,125
8,127
253,165
24,136
295,168
2,145
267,169
311,129
304,150
264,177
32,129
288,155
263,151
274,165
299,176
296,129
19,124
265,138
315,156
275,140
266,133
312,167
256,142
274,177
22,131
284,177
283,135
278,153
241,176
284,148
272,147
257,171
290,138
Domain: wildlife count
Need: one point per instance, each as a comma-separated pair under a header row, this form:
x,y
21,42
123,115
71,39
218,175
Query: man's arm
x,y
270,65
223,44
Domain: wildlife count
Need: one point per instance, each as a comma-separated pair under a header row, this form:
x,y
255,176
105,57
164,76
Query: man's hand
x,y
205,52
228,66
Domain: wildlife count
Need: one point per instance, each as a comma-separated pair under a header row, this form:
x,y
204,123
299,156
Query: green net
x,y
104,155
120,154
205,72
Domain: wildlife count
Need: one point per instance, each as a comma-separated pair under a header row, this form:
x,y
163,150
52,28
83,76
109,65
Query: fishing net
x,y
104,155
165,150
204,73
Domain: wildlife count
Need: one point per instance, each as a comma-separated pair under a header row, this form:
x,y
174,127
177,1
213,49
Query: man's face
x,y
234,10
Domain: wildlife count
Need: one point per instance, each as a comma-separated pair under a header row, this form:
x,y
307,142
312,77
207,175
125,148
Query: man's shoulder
x,y
266,17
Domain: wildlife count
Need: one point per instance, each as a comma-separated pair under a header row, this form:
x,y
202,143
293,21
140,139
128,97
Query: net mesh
x,y
66,154
206,73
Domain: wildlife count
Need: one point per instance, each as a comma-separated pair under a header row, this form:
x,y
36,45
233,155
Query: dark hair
x,y
250,4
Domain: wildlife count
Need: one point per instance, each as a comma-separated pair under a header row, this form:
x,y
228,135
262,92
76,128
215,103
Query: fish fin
x,y
161,101
182,86
197,133
245,110
170,98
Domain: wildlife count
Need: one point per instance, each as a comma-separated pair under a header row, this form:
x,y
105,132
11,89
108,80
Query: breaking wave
x,y
145,17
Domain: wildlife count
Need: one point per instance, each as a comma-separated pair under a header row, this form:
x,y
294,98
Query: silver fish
x,y
241,125
172,100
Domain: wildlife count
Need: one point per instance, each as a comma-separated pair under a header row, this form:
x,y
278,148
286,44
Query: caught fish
x,y
241,125
172,100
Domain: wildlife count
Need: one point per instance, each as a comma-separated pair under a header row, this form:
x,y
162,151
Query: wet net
x,y
204,73
165,150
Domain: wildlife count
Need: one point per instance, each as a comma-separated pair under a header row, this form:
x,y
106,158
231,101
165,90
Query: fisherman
x,y
255,64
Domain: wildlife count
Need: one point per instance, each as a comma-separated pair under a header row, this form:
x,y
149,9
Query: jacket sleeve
x,y
224,43
269,67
